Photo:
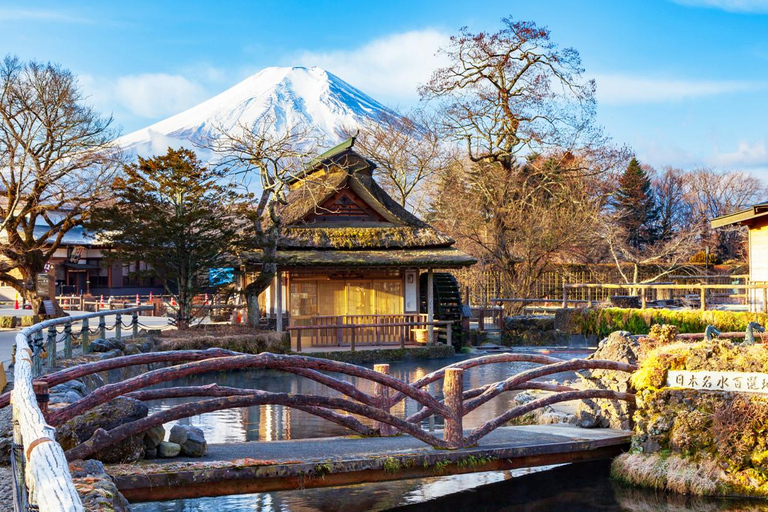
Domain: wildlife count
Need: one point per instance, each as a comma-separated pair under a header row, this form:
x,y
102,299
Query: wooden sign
x,y
719,381
44,285
50,310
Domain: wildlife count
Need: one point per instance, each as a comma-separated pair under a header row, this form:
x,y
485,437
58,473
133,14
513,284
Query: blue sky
x,y
683,83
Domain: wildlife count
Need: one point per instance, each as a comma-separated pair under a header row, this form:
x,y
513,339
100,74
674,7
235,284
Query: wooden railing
x,y
487,318
356,330
40,471
698,294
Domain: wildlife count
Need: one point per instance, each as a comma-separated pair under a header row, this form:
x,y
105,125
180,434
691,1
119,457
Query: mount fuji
x,y
288,96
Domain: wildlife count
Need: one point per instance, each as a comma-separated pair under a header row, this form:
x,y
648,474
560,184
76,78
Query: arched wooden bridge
x,y
456,445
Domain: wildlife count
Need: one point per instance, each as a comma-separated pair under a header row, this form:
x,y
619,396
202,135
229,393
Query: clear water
x,y
275,422
568,488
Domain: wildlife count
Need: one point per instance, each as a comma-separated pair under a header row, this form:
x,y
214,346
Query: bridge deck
x,y
238,468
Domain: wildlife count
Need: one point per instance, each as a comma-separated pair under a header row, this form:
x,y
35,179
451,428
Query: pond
x,y
493,491
583,487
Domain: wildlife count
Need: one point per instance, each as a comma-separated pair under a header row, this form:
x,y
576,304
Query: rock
x,y
154,437
150,453
67,397
96,489
101,356
6,434
168,450
191,439
83,468
107,416
73,385
618,346
105,345
131,350
147,346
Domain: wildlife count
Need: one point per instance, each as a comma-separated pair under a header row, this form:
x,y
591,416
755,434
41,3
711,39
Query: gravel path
x,y
6,489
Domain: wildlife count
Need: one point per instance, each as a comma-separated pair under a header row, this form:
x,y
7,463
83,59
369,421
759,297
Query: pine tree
x,y
635,205
175,214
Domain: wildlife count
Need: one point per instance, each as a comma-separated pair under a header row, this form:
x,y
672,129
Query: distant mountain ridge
x,y
323,102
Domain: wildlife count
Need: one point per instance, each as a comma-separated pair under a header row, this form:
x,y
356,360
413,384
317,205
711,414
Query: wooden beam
x,y
430,306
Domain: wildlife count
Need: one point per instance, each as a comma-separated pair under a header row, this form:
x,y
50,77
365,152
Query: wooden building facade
x,y
755,218
350,254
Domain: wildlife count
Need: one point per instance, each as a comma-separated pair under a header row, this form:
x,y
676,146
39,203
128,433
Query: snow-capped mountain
x,y
310,96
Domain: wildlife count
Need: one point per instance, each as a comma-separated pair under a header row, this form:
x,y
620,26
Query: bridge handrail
x,y
38,460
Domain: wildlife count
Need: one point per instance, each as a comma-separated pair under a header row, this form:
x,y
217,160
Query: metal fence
x,y
41,477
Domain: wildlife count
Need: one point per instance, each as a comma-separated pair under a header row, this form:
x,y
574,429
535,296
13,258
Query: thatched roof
x,y
376,231
394,227
446,257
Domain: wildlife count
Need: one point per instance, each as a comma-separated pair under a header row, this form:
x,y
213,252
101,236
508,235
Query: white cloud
x,y
746,6
746,156
390,68
40,15
154,95
621,89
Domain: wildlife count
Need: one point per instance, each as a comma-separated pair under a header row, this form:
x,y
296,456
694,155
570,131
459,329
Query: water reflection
x,y
583,487
275,422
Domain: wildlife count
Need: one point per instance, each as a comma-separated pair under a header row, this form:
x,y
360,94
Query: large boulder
x,y
619,346
168,450
154,437
107,416
191,439
105,345
96,489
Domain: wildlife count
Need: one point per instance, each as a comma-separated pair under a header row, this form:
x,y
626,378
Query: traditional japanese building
x,y
351,254
755,218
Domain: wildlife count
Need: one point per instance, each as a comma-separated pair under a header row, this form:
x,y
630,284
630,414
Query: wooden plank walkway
x,y
239,468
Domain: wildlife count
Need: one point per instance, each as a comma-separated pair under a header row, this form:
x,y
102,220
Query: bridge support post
x,y
103,327
453,388
382,393
68,340
84,339
51,342
41,394
430,306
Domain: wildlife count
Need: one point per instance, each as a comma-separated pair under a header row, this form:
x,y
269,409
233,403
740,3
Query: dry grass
x,y
670,473
230,337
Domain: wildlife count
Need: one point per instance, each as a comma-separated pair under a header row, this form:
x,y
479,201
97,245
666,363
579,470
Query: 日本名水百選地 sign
x,y
718,381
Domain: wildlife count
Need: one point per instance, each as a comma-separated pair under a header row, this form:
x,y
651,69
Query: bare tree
x,y
408,150
514,92
713,194
520,221
56,159
272,158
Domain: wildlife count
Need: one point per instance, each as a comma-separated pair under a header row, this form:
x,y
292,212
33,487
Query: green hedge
x,y
27,321
603,321
8,322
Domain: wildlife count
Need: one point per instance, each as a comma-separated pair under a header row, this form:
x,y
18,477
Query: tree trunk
x,y
254,312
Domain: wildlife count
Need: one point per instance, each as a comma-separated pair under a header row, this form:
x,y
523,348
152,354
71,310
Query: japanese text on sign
x,y
719,381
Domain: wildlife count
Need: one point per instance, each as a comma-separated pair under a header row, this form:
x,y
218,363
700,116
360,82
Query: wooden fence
x,y
41,475
356,330
694,294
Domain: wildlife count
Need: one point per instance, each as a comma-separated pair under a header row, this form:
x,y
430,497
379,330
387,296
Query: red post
x,y
453,388
382,393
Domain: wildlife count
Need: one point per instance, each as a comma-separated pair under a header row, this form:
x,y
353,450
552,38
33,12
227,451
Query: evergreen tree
x,y
635,205
174,214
